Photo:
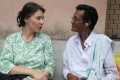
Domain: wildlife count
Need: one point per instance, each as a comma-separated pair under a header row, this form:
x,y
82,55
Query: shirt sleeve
x,y
6,58
49,60
66,69
110,67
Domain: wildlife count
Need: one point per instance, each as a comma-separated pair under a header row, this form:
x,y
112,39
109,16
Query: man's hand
x,y
70,76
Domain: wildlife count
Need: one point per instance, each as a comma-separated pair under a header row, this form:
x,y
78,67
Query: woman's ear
x,y
26,20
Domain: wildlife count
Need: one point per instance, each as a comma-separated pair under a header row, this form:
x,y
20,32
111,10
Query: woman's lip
x,y
39,27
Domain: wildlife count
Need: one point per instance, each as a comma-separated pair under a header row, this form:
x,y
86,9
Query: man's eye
x,y
75,18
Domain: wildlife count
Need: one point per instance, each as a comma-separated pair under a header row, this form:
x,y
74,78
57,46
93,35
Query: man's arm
x,y
66,69
110,67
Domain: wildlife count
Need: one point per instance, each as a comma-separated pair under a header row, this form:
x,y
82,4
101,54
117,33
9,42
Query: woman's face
x,y
35,22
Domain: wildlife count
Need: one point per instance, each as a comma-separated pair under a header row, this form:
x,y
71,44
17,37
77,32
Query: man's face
x,y
78,24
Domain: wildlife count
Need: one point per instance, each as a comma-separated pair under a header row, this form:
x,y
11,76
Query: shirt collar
x,y
90,38
88,41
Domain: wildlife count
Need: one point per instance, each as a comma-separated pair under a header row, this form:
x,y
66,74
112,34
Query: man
x,y
88,56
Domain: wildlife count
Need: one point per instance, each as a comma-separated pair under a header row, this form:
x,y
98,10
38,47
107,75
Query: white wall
x,y
57,22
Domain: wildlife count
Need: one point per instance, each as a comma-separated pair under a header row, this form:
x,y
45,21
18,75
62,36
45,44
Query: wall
x,y
57,17
113,18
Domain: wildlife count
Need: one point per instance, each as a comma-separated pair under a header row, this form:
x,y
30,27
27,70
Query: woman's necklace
x,y
29,40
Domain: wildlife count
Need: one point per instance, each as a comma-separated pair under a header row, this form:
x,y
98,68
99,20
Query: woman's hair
x,y
90,13
27,11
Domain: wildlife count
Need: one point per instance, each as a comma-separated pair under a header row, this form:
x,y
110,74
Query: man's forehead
x,y
79,13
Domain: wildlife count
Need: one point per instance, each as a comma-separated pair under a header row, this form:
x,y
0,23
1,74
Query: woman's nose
x,y
41,21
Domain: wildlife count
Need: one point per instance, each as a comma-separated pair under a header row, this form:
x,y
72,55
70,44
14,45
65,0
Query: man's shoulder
x,y
103,36
72,38
104,39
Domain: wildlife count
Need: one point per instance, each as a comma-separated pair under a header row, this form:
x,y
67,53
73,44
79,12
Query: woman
x,y
28,52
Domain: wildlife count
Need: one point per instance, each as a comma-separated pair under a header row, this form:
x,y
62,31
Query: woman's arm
x,y
6,58
7,61
21,70
27,71
49,60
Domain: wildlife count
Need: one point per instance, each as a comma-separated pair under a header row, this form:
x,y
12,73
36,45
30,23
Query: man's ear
x,y
86,24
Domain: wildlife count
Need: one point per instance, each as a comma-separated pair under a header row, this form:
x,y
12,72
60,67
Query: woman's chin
x,y
37,31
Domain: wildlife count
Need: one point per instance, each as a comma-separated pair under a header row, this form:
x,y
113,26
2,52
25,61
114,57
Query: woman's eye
x,y
40,18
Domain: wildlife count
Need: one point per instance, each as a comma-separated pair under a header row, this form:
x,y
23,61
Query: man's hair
x,y
90,13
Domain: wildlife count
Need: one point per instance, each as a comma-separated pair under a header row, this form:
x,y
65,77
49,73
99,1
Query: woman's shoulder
x,y
13,35
43,35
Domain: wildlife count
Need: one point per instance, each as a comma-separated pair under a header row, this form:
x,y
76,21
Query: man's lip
x,y
72,25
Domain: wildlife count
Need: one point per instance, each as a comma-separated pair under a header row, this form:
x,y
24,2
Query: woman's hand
x,y
46,73
72,77
38,75
38,79
34,79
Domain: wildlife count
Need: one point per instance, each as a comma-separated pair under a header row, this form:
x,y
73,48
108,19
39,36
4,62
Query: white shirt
x,y
75,59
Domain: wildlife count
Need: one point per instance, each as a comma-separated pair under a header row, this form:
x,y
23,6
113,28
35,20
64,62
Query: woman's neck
x,y
27,35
